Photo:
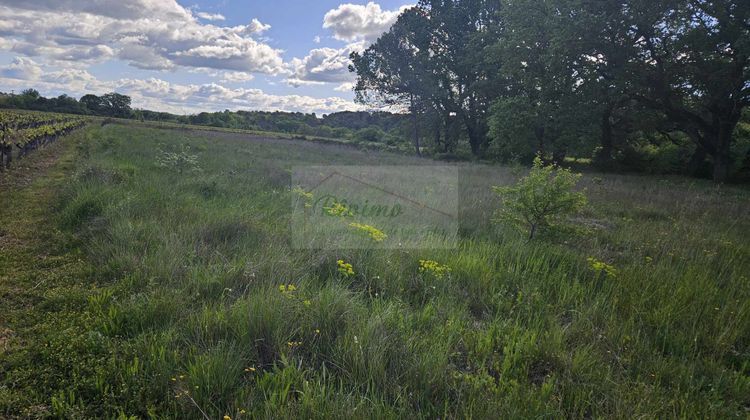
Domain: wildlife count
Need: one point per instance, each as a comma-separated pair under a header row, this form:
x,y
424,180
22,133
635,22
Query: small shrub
x,y
180,162
542,199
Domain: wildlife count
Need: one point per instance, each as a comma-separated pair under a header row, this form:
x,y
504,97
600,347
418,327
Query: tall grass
x,y
187,318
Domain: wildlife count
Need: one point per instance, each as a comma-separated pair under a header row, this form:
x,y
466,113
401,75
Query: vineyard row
x,y
20,133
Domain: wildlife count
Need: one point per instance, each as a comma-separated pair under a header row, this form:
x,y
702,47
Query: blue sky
x,y
185,57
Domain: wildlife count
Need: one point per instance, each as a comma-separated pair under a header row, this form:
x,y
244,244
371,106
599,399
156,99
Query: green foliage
x,y
180,161
370,134
542,199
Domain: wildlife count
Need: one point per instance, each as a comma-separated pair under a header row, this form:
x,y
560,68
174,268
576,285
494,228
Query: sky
x,y
189,56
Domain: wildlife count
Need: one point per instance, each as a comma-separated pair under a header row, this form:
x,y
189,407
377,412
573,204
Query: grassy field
x,y
134,290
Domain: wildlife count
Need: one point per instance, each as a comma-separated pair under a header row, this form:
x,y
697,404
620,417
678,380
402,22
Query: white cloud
x,y
210,16
324,65
119,9
149,34
316,39
344,87
257,27
158,94
236,77
22,69
350,22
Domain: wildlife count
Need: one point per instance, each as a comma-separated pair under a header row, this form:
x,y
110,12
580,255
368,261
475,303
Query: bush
x,y
540,200
180,162
371,134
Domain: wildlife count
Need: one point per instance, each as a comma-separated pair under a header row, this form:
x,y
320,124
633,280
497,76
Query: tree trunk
x,y
722,157
558,156
476,137
437,127
446,133
539,133
722,165
605,154
416,126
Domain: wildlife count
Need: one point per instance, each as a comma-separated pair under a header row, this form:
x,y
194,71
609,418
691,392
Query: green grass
x,y
406,148
134,290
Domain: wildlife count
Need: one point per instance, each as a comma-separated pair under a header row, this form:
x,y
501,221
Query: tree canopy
x,y
559,77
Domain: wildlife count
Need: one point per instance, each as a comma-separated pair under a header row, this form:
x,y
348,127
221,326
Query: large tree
x,y
546,111
691,61
393,71
462,34
117,105
434,59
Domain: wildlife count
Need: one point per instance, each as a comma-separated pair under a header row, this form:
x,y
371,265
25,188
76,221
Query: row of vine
x,y
20,133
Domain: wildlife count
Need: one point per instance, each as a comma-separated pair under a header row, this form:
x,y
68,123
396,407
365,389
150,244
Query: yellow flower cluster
x,y
345,268
433,267
374,233
287,289
302,193
601,267
338,209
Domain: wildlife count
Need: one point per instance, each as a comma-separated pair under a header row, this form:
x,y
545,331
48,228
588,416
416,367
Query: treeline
x,y
363,126
646,84
109,105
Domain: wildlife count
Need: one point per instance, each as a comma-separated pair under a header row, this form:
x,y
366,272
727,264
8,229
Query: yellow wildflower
x,y
433,267
601,267
374,233
338,209
345,268
287,289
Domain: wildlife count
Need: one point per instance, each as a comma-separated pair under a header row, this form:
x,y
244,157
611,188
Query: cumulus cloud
x,y
159,94
350,22
345,87
22,69
120,9
210,16
257,27
323,65
236,77
149,34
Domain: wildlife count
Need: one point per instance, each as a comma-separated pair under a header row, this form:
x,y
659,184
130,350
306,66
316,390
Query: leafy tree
x,y
688,59
392,71
116,105
464,71
545,113
93,103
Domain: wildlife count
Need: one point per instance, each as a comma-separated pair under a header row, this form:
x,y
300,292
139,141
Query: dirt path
x,y
36,261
